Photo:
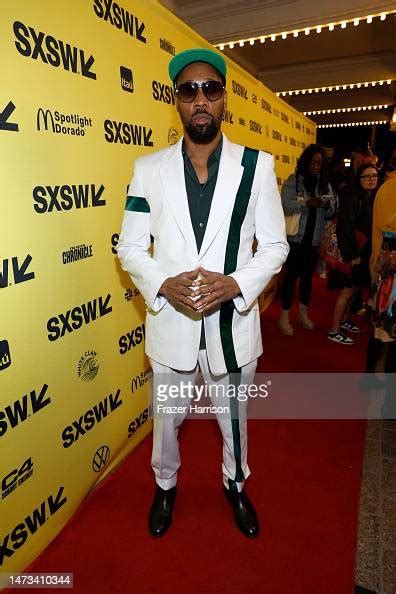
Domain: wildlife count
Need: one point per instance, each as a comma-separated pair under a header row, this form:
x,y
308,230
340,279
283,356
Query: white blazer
x,y
157,206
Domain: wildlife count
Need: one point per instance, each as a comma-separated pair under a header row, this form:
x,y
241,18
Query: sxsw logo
x,y
163,92
126,79
4,115
55,52
127,133
120,18
139,421
90,418
228,117
19,411
59,198
15,270
131,339
75,318
5,355
30,524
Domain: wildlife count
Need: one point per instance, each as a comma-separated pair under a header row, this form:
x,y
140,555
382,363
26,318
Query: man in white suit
x,y
203,201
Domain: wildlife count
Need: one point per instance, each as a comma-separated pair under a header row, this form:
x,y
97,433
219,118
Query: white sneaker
x,y
340,337
350,326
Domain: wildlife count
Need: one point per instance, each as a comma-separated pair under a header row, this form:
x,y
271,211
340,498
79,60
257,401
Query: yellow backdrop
x,y
84,91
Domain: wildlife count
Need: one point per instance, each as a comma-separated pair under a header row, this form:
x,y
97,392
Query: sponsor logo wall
x,y
77,105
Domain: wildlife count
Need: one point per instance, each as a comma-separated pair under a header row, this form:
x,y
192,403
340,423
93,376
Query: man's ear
x,y
225,100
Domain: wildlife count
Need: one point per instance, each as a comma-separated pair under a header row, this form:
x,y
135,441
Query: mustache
x,y
200,111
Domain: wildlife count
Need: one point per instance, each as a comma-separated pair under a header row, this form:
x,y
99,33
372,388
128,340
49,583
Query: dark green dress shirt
x,y
200,199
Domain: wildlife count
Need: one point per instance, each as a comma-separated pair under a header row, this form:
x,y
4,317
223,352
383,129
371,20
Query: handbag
x,y
292,223
330,252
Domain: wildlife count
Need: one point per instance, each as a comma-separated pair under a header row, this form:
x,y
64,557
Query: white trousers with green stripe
x,y
165,459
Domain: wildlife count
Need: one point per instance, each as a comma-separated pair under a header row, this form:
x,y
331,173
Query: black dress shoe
x,y
244,513
160,515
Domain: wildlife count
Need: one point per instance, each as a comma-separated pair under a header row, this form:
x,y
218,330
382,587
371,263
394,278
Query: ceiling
x,y
354,54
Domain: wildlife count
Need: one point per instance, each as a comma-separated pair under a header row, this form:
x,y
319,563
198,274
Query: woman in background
x,y
309,193
355,214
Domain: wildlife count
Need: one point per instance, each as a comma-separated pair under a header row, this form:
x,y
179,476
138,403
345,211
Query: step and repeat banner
x,y
84,91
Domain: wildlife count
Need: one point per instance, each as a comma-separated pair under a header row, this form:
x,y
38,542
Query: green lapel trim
x,y
249,162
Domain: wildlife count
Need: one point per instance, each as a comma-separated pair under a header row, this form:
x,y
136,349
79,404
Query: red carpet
x,y
305,484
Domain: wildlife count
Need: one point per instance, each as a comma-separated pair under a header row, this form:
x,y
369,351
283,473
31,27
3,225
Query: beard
x,y
203,133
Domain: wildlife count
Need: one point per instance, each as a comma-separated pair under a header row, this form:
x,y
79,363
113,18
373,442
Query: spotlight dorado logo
x,y
69,124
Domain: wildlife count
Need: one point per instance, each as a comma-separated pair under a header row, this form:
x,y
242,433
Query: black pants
x,y
389,406
300,263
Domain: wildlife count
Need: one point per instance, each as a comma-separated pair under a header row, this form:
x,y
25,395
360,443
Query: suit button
x,y
201,225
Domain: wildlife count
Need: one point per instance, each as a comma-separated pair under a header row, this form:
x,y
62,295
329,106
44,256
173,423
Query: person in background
x,y
365,157
308,192
354,214
383,292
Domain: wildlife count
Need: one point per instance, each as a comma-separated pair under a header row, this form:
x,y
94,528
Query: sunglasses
x,y
369,176
212,89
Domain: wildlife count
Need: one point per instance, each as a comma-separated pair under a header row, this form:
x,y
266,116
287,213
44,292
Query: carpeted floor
x,y
305,485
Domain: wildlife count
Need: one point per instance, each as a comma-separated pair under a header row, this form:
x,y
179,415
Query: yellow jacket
x,y
384,217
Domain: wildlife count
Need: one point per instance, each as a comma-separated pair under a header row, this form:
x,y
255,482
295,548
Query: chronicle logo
x,y
4,115
242,122
127,133
55,52
77,252
265,105
167,46
16,477
16,413
19,272
87,420
101,458
5,355
30,524
70,124
163,92
173,135
131,339
50,198
88,366
139,421
73,319
126,79
140,380
120,18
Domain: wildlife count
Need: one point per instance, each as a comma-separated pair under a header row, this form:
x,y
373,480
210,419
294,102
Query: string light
x,y
307,30
353,124
330,89
343,109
